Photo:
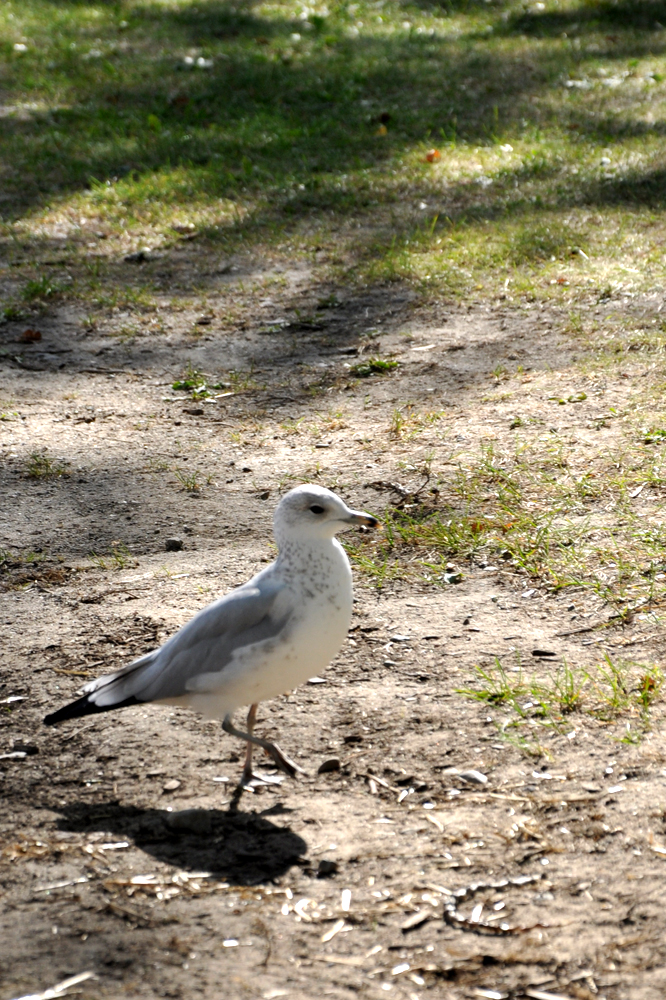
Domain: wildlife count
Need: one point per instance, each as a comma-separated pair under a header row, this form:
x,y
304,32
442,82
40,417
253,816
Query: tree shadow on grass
x,y
620,18
268,114
645,189
244,848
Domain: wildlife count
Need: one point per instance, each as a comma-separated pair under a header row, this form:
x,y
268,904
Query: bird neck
x,y
304,555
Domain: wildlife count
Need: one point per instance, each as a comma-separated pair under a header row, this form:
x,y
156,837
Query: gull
x,y
259,640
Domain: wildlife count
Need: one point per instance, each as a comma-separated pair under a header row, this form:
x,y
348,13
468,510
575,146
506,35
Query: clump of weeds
x,y
40,465
373,366
194,382
119,557
189,480
406,422
240,380
40,289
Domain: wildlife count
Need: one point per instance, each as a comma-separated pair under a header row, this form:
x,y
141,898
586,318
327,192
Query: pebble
x,y
171,785
332,764
173,544
326,868
474,777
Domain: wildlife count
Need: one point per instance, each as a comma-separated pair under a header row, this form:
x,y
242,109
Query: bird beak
x,y
361,518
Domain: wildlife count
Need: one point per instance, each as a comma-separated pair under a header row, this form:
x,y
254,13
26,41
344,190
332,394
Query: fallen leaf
x,y
30,336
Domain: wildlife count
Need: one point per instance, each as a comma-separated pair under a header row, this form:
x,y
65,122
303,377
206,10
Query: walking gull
x,y
260,640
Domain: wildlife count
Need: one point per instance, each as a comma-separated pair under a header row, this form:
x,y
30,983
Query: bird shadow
x,y
244,848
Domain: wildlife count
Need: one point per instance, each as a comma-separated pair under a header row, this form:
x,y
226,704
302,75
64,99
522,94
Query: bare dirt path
x,y
396,872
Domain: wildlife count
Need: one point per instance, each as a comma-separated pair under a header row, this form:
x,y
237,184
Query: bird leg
x,y
281,761
248,774
249,778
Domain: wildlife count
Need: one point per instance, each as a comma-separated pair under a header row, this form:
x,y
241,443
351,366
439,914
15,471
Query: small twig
x,y
403,492
77,732
608,621
381,484
428,476
103,371
71,673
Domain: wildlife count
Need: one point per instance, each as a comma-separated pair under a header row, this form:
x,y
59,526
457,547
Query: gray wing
x,y
206,644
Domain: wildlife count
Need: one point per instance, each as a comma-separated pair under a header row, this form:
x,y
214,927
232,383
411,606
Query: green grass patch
x,y
610,691
464,148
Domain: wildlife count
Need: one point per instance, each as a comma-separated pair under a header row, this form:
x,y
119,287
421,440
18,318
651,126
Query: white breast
x,y
320,585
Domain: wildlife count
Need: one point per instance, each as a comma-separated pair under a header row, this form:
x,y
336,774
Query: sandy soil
x,y
119,853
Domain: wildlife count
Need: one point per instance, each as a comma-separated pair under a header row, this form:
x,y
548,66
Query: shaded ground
x,y
119,854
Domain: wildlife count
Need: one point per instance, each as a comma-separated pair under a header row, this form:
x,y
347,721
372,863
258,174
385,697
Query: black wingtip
x,y
83,706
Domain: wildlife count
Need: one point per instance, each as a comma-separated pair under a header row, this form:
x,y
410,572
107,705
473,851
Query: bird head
x,y
310,512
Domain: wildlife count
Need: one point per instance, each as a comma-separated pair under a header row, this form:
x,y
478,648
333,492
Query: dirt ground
x,y
392,874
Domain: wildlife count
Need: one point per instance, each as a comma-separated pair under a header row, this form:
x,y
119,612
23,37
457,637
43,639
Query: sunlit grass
x,y
610,691
536,514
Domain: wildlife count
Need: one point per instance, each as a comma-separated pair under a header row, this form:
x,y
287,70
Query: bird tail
x,y
106,693
84,706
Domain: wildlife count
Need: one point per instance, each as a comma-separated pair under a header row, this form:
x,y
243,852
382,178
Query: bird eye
x,y
316,509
